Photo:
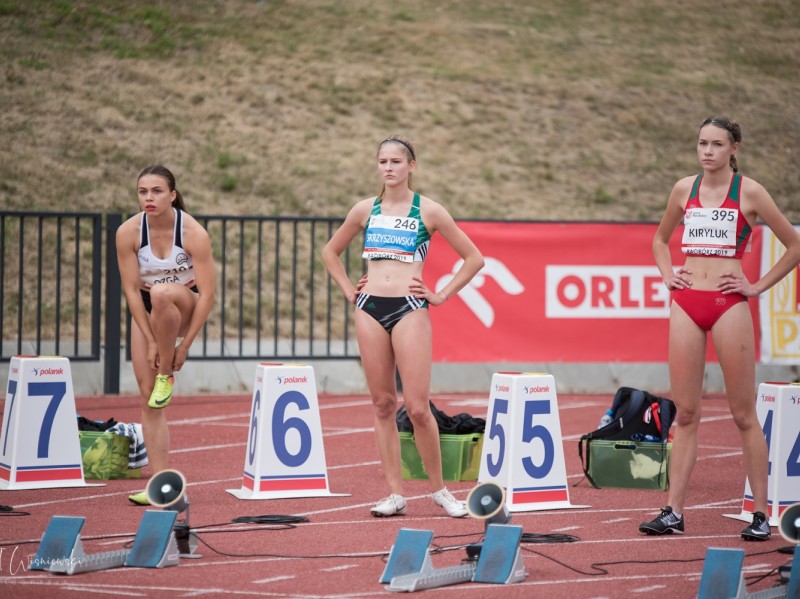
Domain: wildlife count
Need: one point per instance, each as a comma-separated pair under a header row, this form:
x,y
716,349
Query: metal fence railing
x,y
274,298
50,284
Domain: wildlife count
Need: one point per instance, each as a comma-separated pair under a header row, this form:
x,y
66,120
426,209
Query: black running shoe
x,y
758,530
667,523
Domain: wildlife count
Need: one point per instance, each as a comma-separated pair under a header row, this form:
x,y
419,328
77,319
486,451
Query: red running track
x,y
341,551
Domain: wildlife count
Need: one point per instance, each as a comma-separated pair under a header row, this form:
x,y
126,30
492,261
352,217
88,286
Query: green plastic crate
x,y
461,457
105,456
629,464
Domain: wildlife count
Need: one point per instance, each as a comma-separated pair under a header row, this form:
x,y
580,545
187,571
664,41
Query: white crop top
x,y
175,268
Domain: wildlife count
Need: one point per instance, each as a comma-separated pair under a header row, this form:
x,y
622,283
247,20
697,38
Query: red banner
x,y
559,292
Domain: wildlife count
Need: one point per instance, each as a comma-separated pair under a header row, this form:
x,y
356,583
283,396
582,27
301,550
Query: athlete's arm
x,y
128,262
673,215
758,201
198,244
441,221
331,254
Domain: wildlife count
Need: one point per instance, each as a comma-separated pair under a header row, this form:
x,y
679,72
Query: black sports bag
x,y
637,416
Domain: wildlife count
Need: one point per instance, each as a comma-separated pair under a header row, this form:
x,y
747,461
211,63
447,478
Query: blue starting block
x,y
409,566
793,587
61,550
722,577
722,574
154,545
500,561
409,554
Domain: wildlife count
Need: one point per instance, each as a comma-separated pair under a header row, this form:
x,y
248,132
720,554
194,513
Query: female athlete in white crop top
x,y
175,267
168,299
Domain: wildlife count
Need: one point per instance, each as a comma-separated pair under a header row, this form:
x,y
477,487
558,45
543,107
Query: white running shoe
x,y
394,505
453,507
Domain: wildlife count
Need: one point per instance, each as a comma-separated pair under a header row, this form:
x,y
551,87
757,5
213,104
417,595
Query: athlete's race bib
x,y
391,237
710,232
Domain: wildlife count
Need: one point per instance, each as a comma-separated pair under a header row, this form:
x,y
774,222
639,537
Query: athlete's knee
x,y
745,419
145,388
420,414
385,405
161,297
685,417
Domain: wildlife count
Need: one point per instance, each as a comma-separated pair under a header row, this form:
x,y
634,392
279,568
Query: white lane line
x,y
274,579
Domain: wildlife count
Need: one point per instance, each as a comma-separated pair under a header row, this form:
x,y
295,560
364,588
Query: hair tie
x,y
400,141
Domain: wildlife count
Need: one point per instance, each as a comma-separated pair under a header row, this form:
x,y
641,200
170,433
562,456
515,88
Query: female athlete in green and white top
x,y
393,326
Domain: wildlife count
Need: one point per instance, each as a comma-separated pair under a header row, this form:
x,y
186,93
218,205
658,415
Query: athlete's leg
x,y
154,422
734,341
687,353
173,305
377,359
411,339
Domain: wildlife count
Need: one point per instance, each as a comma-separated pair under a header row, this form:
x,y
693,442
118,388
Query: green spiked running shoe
x,y
162,391
139,498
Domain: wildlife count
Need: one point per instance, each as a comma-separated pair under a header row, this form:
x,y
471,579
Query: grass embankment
x,y
548,110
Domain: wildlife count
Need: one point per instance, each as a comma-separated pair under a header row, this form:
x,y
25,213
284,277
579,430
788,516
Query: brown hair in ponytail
x,y
408,148
733,129
165,173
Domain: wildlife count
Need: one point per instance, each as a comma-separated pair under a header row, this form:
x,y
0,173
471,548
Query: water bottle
x,y
606,419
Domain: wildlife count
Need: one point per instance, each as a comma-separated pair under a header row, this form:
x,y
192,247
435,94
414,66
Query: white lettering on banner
x,y
575,291
494,269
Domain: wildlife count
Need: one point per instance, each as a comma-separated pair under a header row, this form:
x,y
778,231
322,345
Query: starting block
x,y
409,554
409,567
154,545
722,574
793,588
61,550
501,560
285,455
522,447
722,577
39,443
778,407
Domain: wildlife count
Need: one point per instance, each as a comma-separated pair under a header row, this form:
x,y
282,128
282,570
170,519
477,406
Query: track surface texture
x,y
341,550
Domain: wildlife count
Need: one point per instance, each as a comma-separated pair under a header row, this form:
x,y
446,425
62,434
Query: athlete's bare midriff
x,y
390,278
706,272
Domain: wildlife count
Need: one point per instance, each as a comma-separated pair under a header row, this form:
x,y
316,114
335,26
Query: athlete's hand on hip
x,y
353,296
736,282
420,290
679,279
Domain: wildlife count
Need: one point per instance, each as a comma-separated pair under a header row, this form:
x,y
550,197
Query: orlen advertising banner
x,y
559,292
780,309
